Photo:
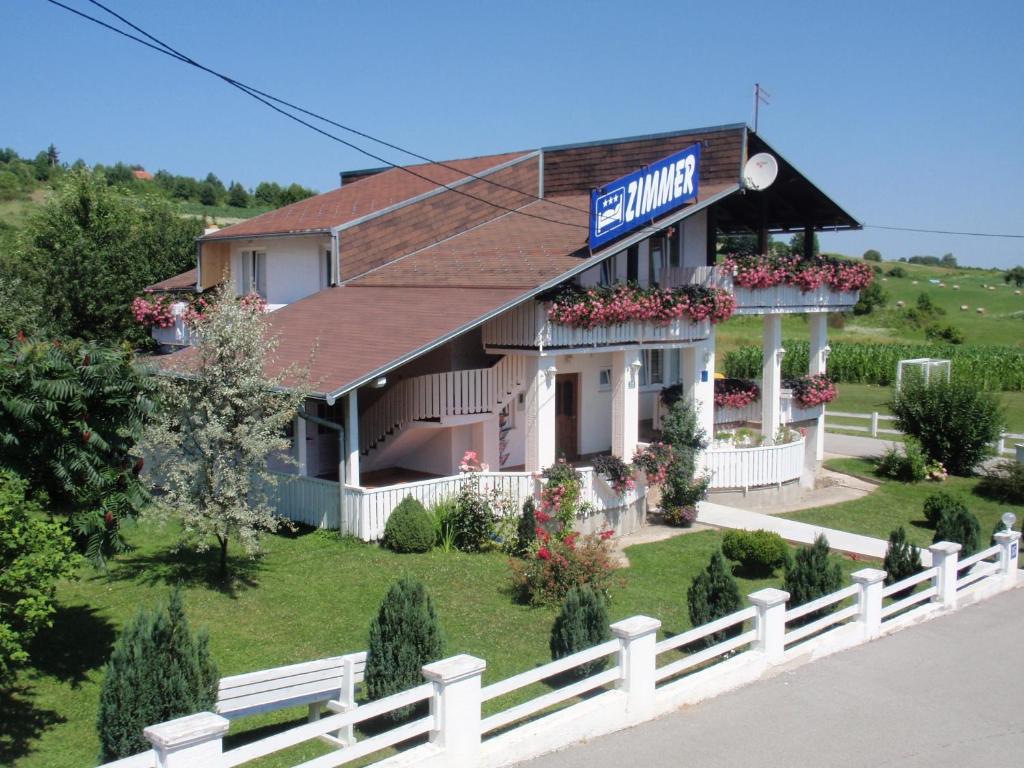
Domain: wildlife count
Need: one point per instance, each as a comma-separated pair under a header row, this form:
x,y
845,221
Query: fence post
x,y
869,600
945,555
637,659
874,423
1009,546
347,698
770,622
194,740
455,707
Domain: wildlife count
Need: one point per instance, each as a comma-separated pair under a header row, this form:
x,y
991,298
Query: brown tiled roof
x,y
186,281
348,203
355,332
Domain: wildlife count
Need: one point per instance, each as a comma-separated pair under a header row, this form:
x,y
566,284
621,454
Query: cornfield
x,y
991,367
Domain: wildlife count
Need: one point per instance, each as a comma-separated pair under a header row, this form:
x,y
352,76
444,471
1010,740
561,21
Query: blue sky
x,y
907,113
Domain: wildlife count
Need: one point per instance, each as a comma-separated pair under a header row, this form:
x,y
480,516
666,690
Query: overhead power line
x,y
266,100
943,231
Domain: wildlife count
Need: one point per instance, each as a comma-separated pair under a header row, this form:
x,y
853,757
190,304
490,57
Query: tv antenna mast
x,y
761,96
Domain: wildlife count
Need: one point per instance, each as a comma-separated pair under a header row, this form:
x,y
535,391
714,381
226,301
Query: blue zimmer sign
x,y
635,200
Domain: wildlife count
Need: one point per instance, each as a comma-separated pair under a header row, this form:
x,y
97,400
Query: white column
x,y
637,659
945,556
771,375
704,385
818,363
540,412
485,441
770,622
352,438
625,403
1009,551
188,741
870,582
299,438
456,708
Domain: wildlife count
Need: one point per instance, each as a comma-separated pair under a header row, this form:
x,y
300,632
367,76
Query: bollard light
x,y
1008,519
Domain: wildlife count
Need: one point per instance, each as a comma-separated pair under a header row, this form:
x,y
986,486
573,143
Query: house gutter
x,y
596,258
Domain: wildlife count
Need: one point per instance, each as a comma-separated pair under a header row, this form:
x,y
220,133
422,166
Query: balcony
x,y
527,327
780,299
791,411
177,335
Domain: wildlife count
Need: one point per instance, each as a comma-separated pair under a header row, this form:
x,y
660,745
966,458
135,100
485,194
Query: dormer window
x,y
254,272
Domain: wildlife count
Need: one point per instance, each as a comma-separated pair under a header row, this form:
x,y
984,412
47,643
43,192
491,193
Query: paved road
x,y
944,693
854,445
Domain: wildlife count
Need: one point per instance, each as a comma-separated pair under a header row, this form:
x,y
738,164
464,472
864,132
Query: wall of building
x,y
295,265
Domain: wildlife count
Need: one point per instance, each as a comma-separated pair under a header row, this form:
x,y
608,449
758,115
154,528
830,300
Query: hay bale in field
x,y
956,287
900,304
964,307
1016,293
981,310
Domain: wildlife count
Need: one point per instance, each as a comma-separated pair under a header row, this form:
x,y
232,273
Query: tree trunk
x,y
223,557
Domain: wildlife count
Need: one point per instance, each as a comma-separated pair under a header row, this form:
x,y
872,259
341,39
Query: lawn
x,y
312,595
895,504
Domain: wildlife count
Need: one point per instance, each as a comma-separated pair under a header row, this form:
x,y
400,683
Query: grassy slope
x,y
895,504
312,596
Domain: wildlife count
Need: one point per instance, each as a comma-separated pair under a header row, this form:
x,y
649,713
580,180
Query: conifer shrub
x,y
404,636
939,504
582,623
759,553
712,595
158,671
902,560
526,531
409,528
812,575
962,527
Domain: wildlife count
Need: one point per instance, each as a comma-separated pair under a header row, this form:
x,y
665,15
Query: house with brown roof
x,y
481,305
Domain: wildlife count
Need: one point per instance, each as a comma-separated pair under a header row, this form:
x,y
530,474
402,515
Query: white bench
x,y
312,683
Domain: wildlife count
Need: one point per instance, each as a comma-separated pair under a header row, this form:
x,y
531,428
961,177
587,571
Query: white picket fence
x,y
527,326
637,677
790,411
436,395
315,502
1005,445
744,468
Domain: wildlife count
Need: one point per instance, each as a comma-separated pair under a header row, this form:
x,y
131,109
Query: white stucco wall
x,y
293,265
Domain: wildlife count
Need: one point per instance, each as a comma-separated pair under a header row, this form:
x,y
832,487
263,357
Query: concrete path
x,y
854,445
721,516
944,693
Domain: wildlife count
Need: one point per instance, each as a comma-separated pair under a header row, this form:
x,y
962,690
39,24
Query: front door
x,y
567,416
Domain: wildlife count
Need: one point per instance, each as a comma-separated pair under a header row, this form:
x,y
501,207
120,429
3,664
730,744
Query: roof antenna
x,y
760,96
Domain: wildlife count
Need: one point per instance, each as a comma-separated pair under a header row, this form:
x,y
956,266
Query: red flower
x,y
544,553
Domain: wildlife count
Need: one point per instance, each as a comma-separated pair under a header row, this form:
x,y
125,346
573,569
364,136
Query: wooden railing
x,y
744,468
435,395
177,335
527,327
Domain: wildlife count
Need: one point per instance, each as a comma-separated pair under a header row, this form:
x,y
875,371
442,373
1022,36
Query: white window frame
x,y
648,368
657,258
254,273
604,380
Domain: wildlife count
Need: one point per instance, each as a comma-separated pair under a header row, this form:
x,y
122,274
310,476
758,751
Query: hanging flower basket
x,y
806,274
813,390
735,393
603,306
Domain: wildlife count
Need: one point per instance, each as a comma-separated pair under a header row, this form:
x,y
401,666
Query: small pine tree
x,y
159,670
813,575
712,595
404,636
526,532
581,624
961,526
902,560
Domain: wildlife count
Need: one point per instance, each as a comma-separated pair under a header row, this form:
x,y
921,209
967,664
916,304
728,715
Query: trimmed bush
x,y
409,528
159,670
404,636
582,623
902,560
1003,482
759,553
961,526
955,422
940,503
526,532
712,595
812,575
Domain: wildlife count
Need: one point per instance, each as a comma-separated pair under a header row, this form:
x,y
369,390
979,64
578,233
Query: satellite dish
x,y
760,171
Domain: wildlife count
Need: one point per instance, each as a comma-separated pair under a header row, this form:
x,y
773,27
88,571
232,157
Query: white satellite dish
x,y
760,171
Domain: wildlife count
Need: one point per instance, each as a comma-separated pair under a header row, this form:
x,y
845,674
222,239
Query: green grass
x,y
311,596
894,504
865,398
220,213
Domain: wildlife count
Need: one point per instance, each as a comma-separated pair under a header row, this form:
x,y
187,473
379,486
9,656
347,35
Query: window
x,y
652,373
608,270
325,269
633,263
604,379
658,259
254,272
